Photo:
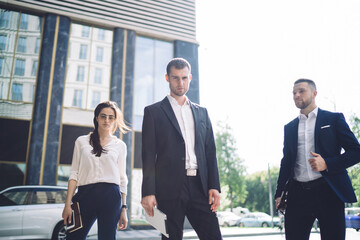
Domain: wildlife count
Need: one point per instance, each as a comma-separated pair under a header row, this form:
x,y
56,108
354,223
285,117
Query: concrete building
x,y
59,59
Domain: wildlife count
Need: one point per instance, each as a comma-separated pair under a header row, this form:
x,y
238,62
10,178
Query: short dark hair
x,y
310,82
178,63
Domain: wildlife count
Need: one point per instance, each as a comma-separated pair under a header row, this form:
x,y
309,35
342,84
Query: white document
x,y
158,221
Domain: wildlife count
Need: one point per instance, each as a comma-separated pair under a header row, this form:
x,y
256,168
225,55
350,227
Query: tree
x,y
354,171
257,186
231,169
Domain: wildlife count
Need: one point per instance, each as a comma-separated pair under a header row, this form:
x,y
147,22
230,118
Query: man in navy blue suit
x,y
313,168
180,173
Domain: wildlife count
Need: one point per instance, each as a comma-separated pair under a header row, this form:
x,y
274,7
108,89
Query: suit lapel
x,y
195,112
317,127
295,135
165,105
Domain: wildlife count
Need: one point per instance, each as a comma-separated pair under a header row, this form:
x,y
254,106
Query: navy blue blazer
x,y
163,151
332,134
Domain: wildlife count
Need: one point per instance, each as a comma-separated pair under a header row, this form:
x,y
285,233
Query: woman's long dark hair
x,y
119,123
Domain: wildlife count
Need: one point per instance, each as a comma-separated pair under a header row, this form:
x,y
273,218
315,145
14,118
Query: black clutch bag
x,y
76,221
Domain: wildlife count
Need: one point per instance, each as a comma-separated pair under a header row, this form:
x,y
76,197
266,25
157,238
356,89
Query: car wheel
x,y
241,225
357,229
59,232
264,225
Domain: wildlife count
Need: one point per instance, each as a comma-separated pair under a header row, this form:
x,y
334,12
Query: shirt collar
x,y
172,100
313,113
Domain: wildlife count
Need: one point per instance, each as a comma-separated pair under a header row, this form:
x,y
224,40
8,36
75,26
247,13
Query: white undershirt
x,y
306,143
110,167
185,119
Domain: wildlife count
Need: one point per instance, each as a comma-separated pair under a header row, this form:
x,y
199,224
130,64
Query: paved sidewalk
x,y
190,234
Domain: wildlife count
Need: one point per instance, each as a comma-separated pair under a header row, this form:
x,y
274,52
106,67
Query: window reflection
x,y
19,67
20,41
17,92
151,58
21,45
88,82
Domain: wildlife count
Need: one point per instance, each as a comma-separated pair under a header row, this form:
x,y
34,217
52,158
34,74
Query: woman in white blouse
x,y
99,171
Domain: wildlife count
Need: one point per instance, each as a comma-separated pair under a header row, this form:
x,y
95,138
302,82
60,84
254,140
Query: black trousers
x,y
101,201
195,205
307,202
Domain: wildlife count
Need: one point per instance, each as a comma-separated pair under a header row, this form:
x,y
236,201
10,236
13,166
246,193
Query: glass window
x,y
19,67
98,74
83,51
85,32
1,65
101,34
151,58
77,100
80,74
1,90
34,68
99,54
47,196
95,99
21,45
32,92
37,45
4,18
24,21
17,92
3,42
13,197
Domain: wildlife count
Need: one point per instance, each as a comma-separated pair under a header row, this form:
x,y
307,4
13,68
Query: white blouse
x,y
110,167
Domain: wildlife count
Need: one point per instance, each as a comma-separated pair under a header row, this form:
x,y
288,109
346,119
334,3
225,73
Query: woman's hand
x,y
66,214
123,221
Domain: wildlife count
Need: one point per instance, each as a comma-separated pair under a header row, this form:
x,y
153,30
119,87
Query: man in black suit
x,y
314,168
180,173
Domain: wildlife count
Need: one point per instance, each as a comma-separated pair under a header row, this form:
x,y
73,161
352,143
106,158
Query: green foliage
x,y
257,186
354,171
231,168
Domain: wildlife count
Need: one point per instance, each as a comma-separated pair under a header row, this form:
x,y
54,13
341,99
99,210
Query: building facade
x,y
59,59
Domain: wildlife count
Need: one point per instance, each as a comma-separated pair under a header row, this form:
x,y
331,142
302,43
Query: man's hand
x,y
278,202
148,203
317,163
214,199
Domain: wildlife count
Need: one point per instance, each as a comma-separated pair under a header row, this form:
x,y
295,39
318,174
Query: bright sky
x,y
252,51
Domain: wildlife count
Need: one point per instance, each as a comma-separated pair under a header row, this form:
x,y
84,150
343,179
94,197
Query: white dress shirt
x,y
110,167
184,117
306,143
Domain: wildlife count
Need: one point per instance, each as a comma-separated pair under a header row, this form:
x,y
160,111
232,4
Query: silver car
x,y
257,219
33,212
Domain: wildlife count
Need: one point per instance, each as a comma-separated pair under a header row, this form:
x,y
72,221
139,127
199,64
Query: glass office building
x,y
59,59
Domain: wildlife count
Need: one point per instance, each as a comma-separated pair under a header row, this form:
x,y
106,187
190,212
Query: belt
x,y
311,184
191,172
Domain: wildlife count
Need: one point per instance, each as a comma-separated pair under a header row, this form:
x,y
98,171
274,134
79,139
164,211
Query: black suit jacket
x,y
332,134
163,151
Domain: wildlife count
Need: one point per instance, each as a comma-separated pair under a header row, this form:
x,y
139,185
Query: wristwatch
x,y
124,206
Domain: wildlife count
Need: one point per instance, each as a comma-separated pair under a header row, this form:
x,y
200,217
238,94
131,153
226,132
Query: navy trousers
x,y
306,204
193,204
101,201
